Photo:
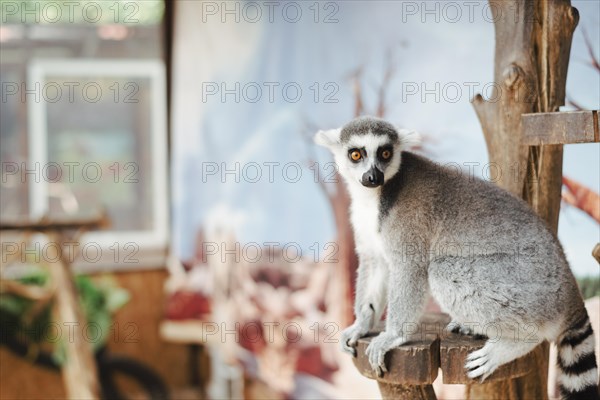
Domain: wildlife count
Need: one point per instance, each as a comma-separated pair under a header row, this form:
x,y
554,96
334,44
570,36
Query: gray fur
x,y
488,260
365,125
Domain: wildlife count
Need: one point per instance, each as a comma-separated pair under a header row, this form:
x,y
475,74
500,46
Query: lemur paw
x,y
377,349
350,336
481,363
456,327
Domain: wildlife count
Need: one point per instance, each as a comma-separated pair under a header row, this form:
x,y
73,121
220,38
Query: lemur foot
x,y
481,363
456,327
350,336
378,347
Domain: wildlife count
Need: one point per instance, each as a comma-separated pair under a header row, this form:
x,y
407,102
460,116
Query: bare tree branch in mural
x,y
335,190
581,197
576,194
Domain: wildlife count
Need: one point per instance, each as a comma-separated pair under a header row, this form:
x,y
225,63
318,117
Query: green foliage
x,y
589,286
99,301
91,12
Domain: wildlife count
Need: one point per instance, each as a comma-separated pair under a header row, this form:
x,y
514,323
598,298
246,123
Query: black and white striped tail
x,y
578,372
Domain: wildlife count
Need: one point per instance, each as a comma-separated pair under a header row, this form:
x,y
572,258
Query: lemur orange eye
x,y
386,154
355,155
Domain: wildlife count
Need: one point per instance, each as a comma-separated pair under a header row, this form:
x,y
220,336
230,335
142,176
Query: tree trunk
x,y
344,257
533,43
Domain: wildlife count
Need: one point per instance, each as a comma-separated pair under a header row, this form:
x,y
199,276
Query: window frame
x,y
149,241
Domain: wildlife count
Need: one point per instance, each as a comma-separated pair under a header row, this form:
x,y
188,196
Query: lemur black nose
x,y
372,178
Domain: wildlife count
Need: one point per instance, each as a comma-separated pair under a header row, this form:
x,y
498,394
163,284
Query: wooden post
x,y
390,391
79,371
544,166
412,367
533,43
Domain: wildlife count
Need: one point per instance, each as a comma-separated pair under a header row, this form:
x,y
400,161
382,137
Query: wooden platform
x,y
414,366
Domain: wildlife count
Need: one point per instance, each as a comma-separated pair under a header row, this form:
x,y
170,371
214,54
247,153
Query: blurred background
x,y
226,268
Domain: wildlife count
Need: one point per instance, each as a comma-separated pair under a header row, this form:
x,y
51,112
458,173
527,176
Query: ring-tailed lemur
x,y
483,254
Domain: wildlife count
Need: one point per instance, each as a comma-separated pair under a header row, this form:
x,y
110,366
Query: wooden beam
x,y
560,128
31,292
45,224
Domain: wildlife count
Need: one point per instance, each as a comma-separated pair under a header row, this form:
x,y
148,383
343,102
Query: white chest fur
x,y
364,212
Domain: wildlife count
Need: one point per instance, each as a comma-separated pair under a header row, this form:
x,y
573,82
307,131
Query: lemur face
x,y
366,150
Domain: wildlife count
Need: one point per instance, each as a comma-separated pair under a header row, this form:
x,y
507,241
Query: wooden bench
x,y
414,366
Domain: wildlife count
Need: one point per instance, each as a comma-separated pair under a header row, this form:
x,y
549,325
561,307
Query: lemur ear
x,y
409,138
329,138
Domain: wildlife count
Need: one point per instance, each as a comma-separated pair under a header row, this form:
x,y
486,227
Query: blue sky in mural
x,y
439,65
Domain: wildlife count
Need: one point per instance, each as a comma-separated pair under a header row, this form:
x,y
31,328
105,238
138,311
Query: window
x,y
83,121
